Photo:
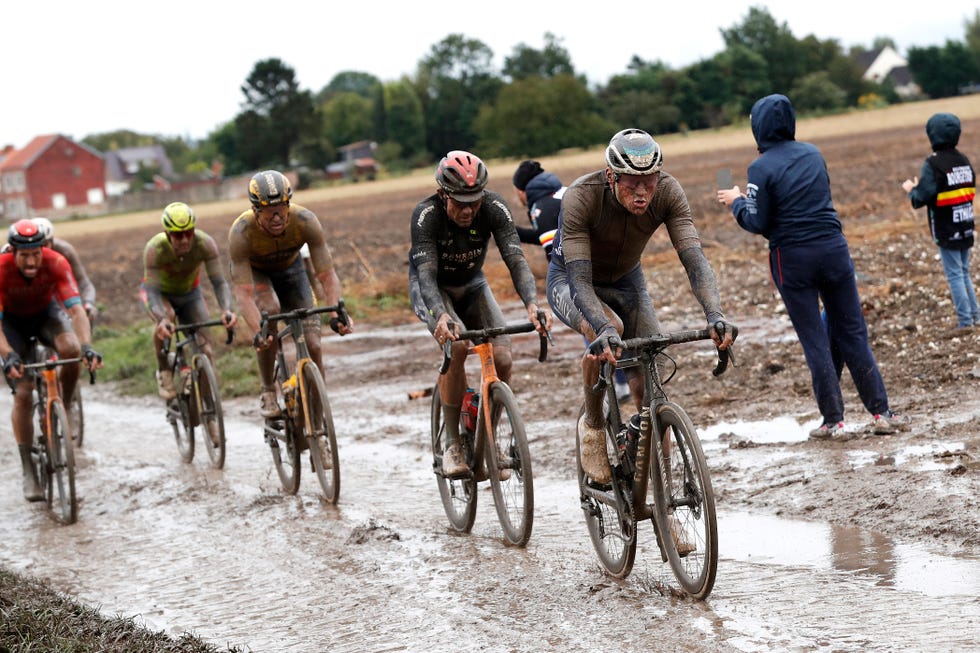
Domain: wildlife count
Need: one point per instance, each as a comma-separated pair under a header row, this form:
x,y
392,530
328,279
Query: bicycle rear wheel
x,y
685,503
212,419
510,474
61,496
613,534
458,494
319,428
76,416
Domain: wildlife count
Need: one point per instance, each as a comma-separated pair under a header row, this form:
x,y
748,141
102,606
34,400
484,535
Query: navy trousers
x,y
822,271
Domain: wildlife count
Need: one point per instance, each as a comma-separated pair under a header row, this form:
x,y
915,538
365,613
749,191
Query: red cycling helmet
x,y
25,234
462,175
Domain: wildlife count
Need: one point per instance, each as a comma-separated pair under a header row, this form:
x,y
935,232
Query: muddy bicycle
x,y
498,452
76,411
53,449
198,400
661,448
305,421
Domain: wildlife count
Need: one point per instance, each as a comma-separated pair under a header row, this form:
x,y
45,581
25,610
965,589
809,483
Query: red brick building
x,y
52,176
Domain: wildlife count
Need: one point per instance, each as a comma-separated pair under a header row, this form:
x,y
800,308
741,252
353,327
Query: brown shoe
x,y
595,461
269,405
165,384
453,461
32,489
503,462
683,545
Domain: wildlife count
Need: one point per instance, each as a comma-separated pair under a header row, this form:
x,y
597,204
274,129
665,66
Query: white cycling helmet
x,y
45,227
634,152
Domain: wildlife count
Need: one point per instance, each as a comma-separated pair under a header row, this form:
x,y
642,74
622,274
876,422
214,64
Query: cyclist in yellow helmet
x,y
171,290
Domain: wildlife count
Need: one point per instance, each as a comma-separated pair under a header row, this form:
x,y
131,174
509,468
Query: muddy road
x,y
227,556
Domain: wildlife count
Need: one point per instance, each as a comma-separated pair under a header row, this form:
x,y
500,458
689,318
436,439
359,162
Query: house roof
x,y
23,158
117,161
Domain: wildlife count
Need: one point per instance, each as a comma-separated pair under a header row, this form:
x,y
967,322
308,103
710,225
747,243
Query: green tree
x,y
536,116
453,81
405,124
347,118
349,81
816,92
526,62
774,42
940,72
277,113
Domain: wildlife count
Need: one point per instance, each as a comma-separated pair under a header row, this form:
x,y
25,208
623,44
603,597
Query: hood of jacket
x,y
943,130
773,121
542,185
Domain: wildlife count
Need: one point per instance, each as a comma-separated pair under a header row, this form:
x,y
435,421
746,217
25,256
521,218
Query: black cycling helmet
x,y
462,175
25,234
634,152
268,188
178,217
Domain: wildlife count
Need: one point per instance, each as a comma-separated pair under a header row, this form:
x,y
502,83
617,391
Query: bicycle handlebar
x,y
660,342
300,313
491,332
52,363
189,329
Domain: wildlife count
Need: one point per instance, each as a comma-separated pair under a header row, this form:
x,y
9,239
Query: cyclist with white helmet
x,y
36,290
447,287
171,292
66,249
595,282
267,271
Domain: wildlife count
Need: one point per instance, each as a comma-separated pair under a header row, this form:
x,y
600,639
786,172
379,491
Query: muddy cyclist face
x,y
181,241
634,192
462,213
273,218
28,261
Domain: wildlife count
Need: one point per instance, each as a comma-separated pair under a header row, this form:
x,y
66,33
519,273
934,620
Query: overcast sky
x,y
176,67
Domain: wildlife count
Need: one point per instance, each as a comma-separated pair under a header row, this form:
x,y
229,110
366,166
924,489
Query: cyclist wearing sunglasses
x,y
595,282
170,291
447,287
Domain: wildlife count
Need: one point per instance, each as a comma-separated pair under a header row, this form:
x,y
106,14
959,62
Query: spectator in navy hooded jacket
x,y
540,192
787,201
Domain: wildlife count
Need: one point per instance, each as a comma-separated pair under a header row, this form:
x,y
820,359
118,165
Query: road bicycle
x,y
306,421
664,450
53,450
499,453
76,411
198,400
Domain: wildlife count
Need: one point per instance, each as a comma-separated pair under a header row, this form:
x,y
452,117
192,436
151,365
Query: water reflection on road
x,y
225,555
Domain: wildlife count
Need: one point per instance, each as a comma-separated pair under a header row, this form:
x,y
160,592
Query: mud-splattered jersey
x,y
451,255
172,274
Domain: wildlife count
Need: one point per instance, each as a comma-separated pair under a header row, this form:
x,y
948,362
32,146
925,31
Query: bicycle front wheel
x,y
509,466
76,416
458,494
613,533
61,498
319,429
212,419
685,503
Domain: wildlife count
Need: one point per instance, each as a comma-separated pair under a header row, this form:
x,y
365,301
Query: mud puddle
x,y
226,555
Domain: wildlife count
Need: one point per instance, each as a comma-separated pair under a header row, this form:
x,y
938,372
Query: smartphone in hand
x,y
725,179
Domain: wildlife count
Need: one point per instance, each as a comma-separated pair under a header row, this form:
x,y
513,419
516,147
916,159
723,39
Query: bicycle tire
x,y
513,496
613,534
281,437
76,417
178,414
319,429
62,462
39,452
683,494
211,417
458,494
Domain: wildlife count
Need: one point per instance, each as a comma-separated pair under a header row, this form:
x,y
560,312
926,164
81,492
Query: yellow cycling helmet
x,y
178,217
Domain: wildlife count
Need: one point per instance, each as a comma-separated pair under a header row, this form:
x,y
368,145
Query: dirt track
x,y
913,489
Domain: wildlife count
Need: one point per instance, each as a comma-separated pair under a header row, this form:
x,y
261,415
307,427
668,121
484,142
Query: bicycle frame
x,y
488,376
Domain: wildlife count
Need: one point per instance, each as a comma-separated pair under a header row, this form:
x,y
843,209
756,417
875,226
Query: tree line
x,y
537,104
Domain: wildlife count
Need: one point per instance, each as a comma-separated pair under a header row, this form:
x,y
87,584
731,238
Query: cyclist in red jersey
x,y
35,283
